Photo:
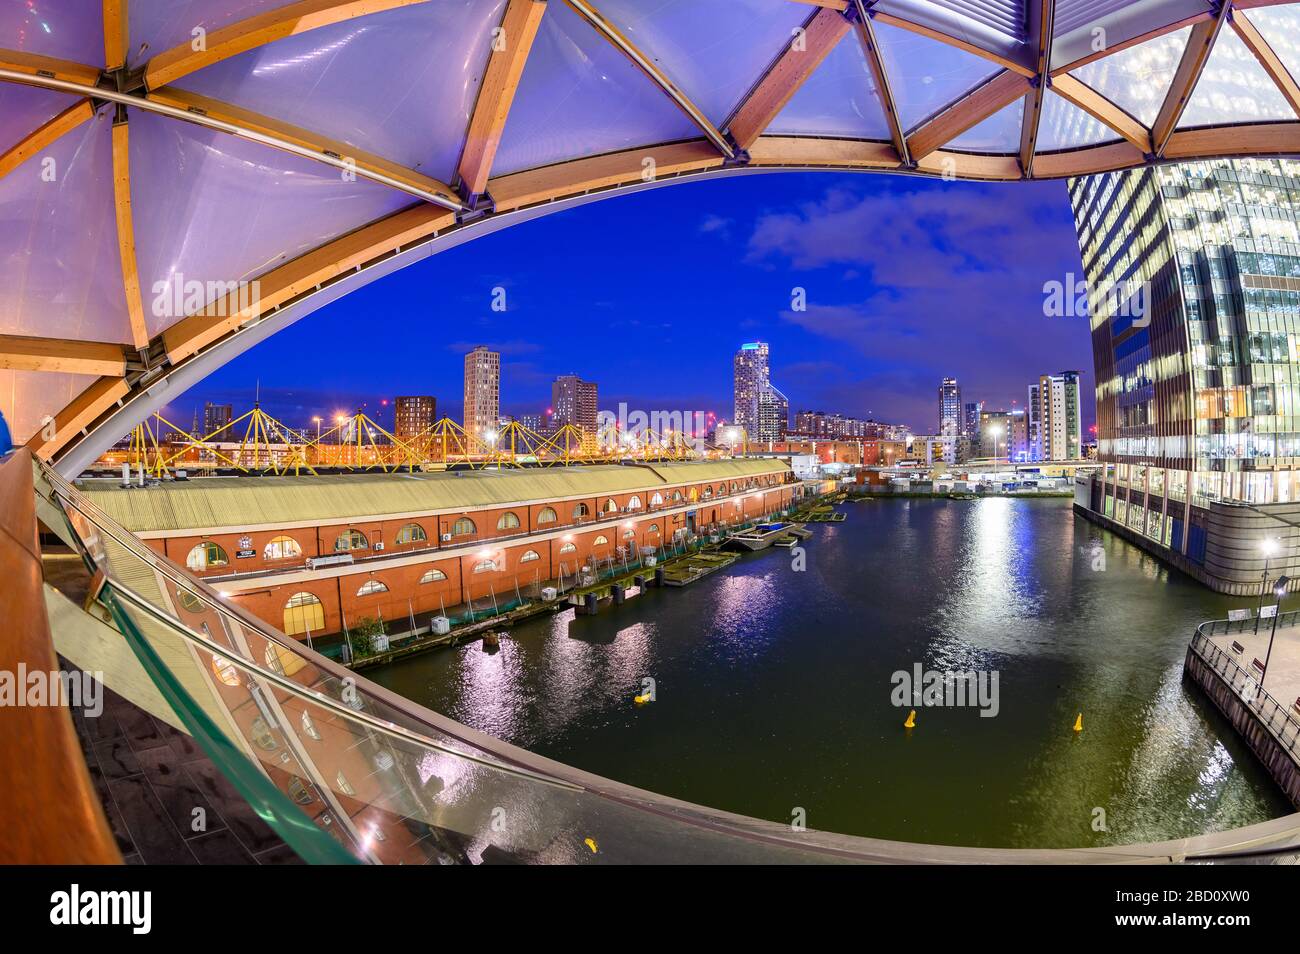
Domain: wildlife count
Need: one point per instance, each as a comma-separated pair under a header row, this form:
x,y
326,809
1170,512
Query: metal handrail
x,y
1238,678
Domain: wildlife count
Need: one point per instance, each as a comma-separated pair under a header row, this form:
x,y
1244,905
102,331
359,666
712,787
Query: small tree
x,y
362,636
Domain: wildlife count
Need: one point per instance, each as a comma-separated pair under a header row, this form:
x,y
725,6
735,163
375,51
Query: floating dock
x,y
688,569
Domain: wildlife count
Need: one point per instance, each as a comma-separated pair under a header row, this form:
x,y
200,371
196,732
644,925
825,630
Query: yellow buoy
x,y
642,699
911,720
591,843
1078,723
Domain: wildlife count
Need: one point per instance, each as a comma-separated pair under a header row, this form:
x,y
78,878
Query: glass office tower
x,y
1193,293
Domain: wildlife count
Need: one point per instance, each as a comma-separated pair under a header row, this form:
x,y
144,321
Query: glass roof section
x,y
241,116
839,99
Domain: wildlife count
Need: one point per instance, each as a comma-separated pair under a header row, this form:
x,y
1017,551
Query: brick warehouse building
x,y
400,543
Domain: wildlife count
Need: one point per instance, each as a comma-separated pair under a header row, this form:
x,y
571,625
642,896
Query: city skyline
x,y
872,340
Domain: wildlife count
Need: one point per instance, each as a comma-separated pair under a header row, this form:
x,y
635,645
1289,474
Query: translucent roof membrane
x,y
999,133
159,25
64,29
839,99
1062,125
29,397
325,80
1233,88
713,50
927,75
60,276
1082,27
1280,26
1137,79
579,96
24,109
210,207
994,25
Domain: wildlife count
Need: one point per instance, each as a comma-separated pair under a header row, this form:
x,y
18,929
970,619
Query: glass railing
x,y
344,770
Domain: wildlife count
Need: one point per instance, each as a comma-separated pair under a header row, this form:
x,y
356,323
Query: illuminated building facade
x,y
414,414
482,392
1193,287
761,409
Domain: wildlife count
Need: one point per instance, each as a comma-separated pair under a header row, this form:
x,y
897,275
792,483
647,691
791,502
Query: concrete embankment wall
x,y
1279,762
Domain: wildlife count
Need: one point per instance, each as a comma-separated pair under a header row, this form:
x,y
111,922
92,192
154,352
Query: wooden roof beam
x,y
977,105
21,353
115,33
1190,67
1003,61
366,164
796,63
126,230
1102,110
505,67
1273,65
48,133
252,32
278,286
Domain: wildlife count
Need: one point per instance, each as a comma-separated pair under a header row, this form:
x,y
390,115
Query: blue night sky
x,y
907,280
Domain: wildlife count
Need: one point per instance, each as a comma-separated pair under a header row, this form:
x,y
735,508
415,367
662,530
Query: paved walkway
x,y
1283,679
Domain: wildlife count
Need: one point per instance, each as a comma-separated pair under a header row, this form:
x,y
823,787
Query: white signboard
x,y
1268,611
1238,614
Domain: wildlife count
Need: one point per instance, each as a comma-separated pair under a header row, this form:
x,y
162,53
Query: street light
x,y
1279,590
1269,546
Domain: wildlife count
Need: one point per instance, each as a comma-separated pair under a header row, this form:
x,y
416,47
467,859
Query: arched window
x,y
411,533
611,506
463,527
529,556
508,521
634,502
206,555
657,499
432,576
722,490
546,515
281,548
309,726
485,566
568,548
653,528
629,534
371,586
351,540
304,613
677,496
580,511
600,541
707,495
344,786
282,660
226,671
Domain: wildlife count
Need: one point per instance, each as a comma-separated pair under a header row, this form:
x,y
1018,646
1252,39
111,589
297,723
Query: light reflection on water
x,y
774,686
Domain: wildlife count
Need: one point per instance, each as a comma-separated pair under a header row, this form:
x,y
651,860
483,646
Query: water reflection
x,y
774,685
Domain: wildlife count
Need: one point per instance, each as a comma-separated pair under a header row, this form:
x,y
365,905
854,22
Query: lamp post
x,y
1269,546
1279,590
